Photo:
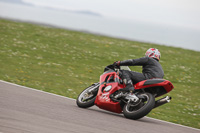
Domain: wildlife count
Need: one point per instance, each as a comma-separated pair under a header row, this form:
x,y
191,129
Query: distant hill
x,y
15,2
86,12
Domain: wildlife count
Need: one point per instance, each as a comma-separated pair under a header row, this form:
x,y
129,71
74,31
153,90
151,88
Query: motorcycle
x,y
106,94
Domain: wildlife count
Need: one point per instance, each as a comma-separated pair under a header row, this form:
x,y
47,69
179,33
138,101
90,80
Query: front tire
x,y
144,106
86,98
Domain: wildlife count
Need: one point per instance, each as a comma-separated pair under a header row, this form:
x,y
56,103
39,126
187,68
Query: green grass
x,y
65,62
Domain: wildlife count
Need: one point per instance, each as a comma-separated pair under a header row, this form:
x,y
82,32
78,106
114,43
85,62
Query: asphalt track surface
x,y
26,110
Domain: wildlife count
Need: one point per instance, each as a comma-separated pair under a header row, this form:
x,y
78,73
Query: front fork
x,y
94,89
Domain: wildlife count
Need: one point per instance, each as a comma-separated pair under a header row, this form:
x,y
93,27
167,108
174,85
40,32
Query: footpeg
x,y
121,94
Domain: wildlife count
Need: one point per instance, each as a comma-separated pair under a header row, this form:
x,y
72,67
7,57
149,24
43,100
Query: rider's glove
x,y
116,64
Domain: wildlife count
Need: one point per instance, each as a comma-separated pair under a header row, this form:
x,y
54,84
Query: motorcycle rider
x,y
151,68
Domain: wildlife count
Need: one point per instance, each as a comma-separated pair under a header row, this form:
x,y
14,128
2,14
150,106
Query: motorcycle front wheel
x,y
87,97
141,108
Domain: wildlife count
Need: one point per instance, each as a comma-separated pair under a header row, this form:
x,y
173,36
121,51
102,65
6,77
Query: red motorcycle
x,y
106,94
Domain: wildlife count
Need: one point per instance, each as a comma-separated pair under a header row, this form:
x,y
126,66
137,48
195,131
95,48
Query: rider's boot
x,y
129,86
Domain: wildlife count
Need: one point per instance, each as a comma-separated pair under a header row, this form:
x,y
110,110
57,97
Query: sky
x,y
178,13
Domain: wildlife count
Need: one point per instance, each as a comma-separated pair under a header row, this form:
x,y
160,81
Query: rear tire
x,y
142,109
82,102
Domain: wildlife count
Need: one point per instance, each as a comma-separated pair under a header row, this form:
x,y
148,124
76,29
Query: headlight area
x,y
108,88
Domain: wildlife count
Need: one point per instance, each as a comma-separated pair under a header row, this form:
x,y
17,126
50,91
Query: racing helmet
x,y
153,53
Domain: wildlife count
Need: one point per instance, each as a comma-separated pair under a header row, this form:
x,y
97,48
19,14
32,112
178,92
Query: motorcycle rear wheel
x,y
84,100
142,108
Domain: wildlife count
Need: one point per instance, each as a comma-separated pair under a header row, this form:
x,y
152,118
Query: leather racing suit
x,y
151,68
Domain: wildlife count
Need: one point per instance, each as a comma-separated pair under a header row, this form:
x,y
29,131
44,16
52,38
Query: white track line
x,y
36,90
75,99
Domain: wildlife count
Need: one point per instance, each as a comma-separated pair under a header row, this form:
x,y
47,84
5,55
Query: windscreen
x,y
125,68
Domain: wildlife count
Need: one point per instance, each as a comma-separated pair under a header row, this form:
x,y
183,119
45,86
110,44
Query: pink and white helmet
x,y
153,53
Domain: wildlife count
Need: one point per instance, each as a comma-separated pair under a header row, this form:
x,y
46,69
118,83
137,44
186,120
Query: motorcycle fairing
x,y
103,100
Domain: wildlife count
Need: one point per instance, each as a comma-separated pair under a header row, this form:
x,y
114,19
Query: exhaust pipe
x,y
162,101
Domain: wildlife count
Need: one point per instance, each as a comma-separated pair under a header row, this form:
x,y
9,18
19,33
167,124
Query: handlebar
x,y
111,67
